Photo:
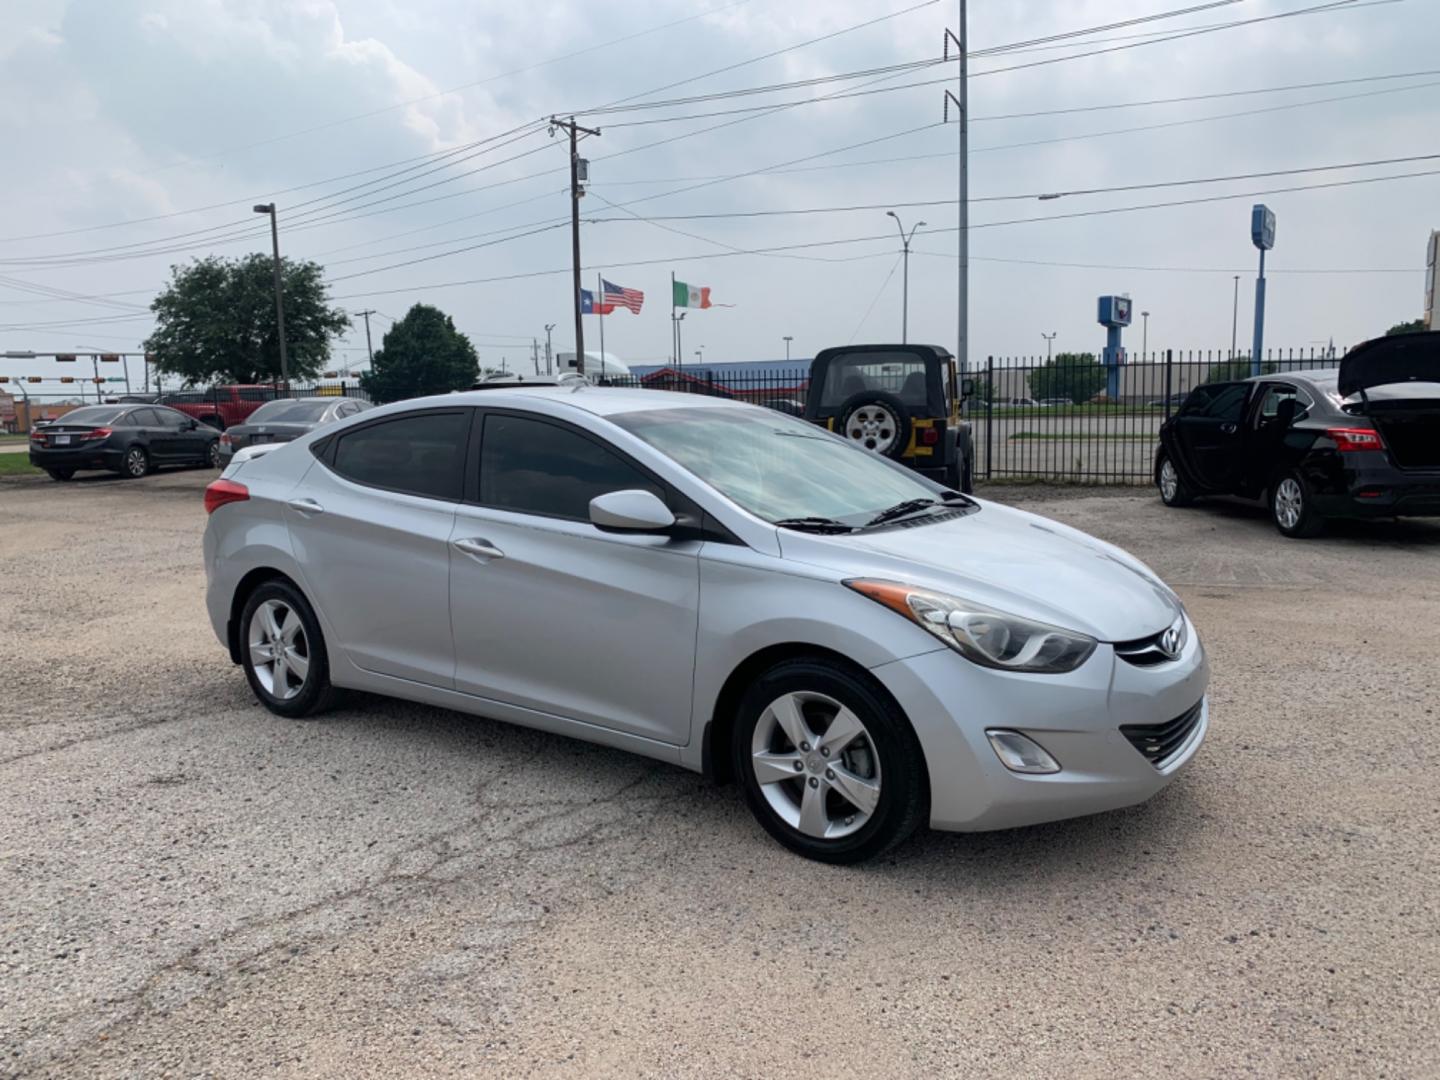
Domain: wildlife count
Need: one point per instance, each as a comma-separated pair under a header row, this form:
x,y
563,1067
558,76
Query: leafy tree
x,y
1235,370
1414,326
1076,377
423,353
217,321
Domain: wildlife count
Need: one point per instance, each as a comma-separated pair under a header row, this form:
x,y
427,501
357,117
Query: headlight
x,y
988,637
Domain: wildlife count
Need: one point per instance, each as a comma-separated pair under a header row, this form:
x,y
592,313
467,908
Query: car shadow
x,y
1399,532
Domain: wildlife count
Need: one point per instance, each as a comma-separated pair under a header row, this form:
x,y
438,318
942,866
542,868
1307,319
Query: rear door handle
x,y
480,549
306,506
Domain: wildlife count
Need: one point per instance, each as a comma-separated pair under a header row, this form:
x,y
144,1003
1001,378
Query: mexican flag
x,y
691,295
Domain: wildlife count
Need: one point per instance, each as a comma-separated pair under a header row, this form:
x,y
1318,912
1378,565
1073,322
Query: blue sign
x,y
1114,311
1262,226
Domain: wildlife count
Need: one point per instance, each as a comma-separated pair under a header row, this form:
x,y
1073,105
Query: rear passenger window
x,y
417,453
143,418
534,467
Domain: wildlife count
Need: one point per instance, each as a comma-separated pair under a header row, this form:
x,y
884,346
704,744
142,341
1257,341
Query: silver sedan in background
x,y
286,419
715,585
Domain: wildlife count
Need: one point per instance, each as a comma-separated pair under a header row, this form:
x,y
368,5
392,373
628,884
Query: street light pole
x,y
269,208
1144,334
788,339
1049,340
679,352
548,328
905,276
1235,317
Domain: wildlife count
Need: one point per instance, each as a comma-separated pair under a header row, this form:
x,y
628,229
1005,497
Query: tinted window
x,y
169,418
1221,401
143,418
94,414
533,467
417,453
1275,394
290,412
900,373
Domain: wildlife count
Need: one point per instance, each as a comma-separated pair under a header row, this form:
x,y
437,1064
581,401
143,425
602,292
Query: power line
x,y
1172,269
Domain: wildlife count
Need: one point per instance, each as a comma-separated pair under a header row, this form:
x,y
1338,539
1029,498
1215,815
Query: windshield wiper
x,y
814,524
902,509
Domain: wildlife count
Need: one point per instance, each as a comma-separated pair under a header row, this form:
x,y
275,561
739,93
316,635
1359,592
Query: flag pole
x,y
600,292
673,351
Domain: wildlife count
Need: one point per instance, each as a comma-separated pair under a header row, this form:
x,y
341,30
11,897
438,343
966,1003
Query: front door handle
x,y
306,506
480,549
1228,428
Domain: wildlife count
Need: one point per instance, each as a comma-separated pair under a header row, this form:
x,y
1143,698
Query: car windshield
x,y
289,412
95,414
774,466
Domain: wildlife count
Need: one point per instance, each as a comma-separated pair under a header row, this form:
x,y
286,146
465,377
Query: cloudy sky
x,y
138,133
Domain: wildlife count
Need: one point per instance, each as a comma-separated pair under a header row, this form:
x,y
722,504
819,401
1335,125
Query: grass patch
x,y
6,437
1080,436
18,465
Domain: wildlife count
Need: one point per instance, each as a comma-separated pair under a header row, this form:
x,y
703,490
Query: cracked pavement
x,y
190,886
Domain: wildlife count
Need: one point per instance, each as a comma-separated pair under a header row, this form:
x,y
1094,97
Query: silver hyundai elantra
x,y
716,585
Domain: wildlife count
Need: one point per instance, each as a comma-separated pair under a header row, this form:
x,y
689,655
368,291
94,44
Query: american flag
x,y
626,298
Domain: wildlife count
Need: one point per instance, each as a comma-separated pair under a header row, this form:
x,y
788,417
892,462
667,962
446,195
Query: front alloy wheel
x,y
137,462
212,454
829,764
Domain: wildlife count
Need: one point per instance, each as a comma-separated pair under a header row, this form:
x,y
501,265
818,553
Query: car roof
x,y
1318,376
597,400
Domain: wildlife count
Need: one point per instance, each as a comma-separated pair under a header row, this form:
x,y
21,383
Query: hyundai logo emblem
x,y
1170,642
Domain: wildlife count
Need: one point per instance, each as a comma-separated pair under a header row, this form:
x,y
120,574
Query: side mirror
x,y
633,510
192,425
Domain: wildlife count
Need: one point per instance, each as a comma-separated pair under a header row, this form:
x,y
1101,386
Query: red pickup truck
x,y
220,406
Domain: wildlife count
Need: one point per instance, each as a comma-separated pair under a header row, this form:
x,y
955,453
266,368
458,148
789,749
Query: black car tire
x,y
901,441
60,474
1291,510
898,764
316,693
1178,495
212,454
135,464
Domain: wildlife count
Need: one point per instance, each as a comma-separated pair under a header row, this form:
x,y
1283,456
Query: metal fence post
x,y
989,413
1169,363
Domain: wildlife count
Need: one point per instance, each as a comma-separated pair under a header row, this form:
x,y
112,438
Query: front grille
x,y
1158,742
1146,651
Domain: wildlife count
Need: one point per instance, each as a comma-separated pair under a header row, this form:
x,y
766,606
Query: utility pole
x,y
370,352
1144,334
535,354
788,339
1235,317
962,105
549,367
579,174
905,275
269,208
1049,341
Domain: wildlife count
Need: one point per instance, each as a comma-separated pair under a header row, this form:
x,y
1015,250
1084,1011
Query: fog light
x,y
1021,754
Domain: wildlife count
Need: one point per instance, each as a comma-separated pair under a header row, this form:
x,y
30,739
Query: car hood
x,y
1008,559
1397,359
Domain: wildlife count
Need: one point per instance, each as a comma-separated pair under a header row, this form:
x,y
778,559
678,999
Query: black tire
x,y
135,464
315,694
1291,509
1177,495
898,763
212,455
901,440
60,474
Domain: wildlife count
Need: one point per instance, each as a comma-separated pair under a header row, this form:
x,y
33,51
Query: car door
x,y
142,427
1210,435
191,438
370,525
554,615
1272,440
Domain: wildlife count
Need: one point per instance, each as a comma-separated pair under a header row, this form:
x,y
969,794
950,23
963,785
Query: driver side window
x,y
1217,401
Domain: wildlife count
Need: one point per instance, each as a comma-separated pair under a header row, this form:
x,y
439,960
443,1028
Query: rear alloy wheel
x,y
137,463
1173,491
60,474
830,767
283,652
1291,510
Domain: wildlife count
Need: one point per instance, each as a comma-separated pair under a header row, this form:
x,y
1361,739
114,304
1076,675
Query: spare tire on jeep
x,y
876,421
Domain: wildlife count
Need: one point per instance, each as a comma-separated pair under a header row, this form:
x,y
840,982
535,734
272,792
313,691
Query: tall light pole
x,y
679,353
269,208
905,277
788,339
1144,334
548,369
1049,340
1235,317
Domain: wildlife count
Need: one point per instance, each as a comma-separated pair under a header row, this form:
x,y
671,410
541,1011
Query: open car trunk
x,y
1397,380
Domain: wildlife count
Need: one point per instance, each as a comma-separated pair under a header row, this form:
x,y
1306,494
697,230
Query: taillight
x,y
98,433
220,492
224,438
1348,439
929,437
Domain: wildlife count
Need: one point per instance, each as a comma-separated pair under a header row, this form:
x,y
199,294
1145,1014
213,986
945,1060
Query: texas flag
x,y
589,307
691,295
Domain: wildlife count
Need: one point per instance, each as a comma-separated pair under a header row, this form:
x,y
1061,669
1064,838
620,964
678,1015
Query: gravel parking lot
x,y
193,887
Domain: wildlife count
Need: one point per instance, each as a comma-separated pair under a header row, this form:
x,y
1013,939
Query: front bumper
x,y
1075,717
82,457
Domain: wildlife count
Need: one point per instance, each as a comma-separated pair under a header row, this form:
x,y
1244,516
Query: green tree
x,y
1076,377
216,321
1414,326
423,353
1235,370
